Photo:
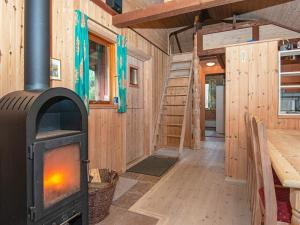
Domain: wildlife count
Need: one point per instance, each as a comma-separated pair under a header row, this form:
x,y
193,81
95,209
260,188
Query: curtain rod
x,y
112,31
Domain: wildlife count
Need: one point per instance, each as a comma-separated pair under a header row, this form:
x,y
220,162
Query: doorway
x,y
215,105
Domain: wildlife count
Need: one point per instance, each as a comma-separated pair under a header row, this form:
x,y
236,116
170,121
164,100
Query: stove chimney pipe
x,y
37,45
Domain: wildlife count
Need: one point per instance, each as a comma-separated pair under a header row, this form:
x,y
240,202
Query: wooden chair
x,y
273,202
250,164
256,209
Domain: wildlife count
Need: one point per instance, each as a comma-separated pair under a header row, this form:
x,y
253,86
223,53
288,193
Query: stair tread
x,y
174,105
179,69
179,77
177,86
174,95
171,124
170,135
172,114
181,61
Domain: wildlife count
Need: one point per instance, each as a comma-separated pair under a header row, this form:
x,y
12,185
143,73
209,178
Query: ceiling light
x,y
210,64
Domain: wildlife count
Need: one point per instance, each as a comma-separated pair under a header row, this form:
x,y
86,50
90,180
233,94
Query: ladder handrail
x,y
161,103
186,109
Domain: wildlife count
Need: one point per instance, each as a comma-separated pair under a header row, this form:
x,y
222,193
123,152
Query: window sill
x,y
288,116
102,106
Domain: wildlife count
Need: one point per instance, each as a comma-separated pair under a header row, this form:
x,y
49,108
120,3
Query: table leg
x,y
295,202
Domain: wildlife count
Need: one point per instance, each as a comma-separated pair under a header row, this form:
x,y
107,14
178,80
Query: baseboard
x,y
233,180
131,164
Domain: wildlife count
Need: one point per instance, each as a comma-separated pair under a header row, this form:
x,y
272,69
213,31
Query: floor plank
x,y
195,192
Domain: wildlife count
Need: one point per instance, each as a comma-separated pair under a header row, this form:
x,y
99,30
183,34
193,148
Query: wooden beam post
x,y
196,96
255,33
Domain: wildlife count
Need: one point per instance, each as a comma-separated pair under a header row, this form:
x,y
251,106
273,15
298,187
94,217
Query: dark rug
x,y
154,165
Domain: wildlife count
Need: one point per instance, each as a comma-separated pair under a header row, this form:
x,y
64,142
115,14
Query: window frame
x,y
206,96
112,68
280,86
137,76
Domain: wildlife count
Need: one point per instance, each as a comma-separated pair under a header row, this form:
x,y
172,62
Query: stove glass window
x,y
61,173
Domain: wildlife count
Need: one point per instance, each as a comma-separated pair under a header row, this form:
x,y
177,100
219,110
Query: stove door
x,y
60,174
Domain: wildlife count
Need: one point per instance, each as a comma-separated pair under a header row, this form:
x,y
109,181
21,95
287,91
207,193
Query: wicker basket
x,y
101,196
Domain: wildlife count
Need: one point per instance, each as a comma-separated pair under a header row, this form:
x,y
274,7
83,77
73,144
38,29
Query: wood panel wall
x,y
160,36
106,148
217,40
251,86
11,46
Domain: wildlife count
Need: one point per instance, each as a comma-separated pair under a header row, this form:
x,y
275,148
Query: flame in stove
x,y
54,180
61,173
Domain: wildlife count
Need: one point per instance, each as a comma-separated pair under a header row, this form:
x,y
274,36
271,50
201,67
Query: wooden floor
x,y
195,192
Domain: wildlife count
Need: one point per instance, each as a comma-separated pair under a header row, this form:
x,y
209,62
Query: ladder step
x,y
181,61
171,125
173,105
171,136
174,95
179,77
172,114
179,69
177,86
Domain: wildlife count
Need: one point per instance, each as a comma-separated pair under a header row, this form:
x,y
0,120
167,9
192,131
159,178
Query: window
x,y
206,95
133,76
289,82
101,70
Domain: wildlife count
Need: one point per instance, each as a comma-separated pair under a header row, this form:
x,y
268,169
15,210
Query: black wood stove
x,y
43,140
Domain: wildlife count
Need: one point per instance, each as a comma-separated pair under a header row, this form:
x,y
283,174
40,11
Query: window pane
x,y
206,95
133,76
92,85
99,72
290,101
290,78
290,62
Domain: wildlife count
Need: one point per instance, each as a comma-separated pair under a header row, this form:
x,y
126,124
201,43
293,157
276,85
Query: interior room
x,y
150,112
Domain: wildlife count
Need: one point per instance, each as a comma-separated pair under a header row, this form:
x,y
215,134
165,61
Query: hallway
x,y
195,192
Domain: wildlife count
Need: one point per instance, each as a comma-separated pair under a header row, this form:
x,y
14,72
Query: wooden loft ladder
x,y
171,123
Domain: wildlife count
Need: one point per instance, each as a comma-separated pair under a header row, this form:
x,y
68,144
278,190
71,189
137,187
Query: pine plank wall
x,y
251,86
106,126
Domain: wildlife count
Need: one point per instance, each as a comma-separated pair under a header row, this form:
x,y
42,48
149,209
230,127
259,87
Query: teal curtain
x,y
122,71
82,57
212,94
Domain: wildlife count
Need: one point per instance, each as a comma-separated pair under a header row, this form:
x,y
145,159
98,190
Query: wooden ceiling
x,y
162,11
284,13
281,12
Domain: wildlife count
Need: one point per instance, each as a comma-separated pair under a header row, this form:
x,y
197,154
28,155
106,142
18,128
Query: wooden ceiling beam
x,y
166,10
255,33
211,52
222,27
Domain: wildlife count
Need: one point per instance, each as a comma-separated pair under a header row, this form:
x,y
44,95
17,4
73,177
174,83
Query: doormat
x,y
154,166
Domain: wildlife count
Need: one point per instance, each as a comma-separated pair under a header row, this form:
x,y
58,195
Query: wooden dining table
x,y
284,148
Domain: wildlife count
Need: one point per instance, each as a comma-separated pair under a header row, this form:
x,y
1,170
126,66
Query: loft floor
x,y
194,192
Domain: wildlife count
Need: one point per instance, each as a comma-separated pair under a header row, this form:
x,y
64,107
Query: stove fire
x,y
61,174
